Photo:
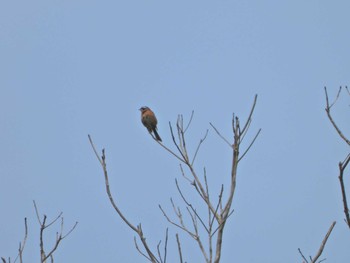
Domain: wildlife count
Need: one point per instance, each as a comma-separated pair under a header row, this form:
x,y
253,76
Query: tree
x,y
45,254
210,227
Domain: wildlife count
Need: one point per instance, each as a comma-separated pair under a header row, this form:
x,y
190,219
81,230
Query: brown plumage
x,y
149,120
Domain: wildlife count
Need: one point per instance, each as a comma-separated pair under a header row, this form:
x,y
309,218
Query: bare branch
x,y
59,236
22,244
178,247
93,147
170,151
181,135
37,212
250,115
177,212
250,145
165,248
328,111
70,231
222,223
190,205
165,245
302,255
104,167
337,97
217,208
138,249
222,137
199,145
226,211
183,174
177,225
145,245
202,188
320,250
137,229
346,87
53,221
342,167
189,122
197,237
183,159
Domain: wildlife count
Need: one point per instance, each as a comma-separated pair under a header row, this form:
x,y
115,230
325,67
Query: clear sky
x,y
73,68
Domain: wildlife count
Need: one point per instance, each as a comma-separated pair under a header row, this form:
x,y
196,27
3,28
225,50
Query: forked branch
x,y
221,211
321,248
328,111
44,256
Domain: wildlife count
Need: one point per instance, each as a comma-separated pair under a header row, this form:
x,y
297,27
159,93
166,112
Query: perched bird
x,y
149,120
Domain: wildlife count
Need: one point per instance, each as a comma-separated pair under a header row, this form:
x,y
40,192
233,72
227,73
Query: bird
x,y
149,120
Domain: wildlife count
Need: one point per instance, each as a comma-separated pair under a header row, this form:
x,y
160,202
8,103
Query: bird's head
x,y
144,108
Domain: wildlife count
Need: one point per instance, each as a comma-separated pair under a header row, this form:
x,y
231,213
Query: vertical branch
x,y
22,245
238,135
227,207
179,247
342,165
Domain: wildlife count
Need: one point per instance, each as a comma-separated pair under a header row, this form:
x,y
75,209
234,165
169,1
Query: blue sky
x,y
73,68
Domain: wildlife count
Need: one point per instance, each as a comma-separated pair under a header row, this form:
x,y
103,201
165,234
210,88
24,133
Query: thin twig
x,y
189,122
183,159
37,212
184,175
165,245
139,250
190,205
23,243
158,251
250,145
250,115
346,87
182,141
178,247
198,239
302,255
217,207
242,135
328,111
335,100
222,137
222,223
104,167
165,248
199,145
177,225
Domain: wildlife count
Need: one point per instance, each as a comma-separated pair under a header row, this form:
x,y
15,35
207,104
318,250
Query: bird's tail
x,y
157,135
